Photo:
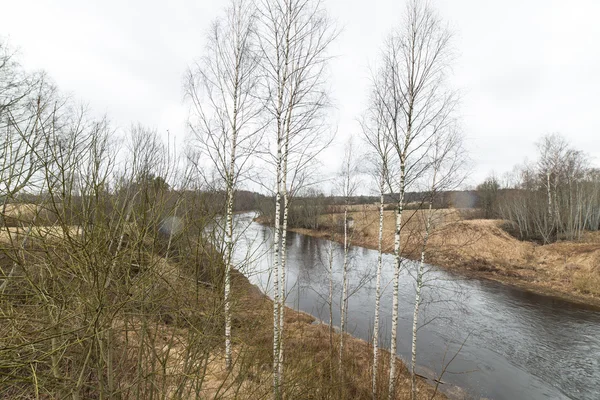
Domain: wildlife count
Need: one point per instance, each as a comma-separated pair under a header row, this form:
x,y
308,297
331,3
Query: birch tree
x,y
411,88
295,36
349,184
554,197
446,159
375,134
222,88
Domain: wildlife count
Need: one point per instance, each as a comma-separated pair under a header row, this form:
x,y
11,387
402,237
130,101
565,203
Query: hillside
x,y
98,322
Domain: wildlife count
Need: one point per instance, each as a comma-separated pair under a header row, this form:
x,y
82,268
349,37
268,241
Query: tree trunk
x,y
330,301
344,302
378,289
276,292
228,262
282,264
419,285
396,284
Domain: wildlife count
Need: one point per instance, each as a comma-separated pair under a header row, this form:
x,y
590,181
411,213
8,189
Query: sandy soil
x,y
483,249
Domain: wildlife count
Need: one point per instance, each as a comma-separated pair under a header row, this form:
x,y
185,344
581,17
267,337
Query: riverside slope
x,y
482,249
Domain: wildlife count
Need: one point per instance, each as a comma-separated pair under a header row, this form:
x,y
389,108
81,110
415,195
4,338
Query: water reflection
x,y
517,345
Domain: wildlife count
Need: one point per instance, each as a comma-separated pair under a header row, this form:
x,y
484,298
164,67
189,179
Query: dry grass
x,y
47,233
483,249
167,315
311,366
19,214
21,211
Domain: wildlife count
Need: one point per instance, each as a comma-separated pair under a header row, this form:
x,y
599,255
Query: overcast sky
x,y
525,67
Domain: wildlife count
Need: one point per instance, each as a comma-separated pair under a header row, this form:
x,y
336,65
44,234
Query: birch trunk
x,y
419,284
228,261
378,288
276,292
229,220
229,238
293,41
281,82
550,211
282,263
396,284
331,295
222,88
344,306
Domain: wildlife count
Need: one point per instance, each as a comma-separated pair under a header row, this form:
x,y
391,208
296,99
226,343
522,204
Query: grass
x,y
311,366
483,249
156,330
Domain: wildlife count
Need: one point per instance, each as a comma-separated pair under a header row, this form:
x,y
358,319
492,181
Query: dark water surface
x,y
515,344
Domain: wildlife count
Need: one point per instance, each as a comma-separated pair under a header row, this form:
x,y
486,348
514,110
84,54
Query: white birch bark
x,y
378,286
550,210
282,71
419,286
348,188
282,283
222,88
229,251
282,264
293,40
416,103
344,299
171,233
275,271
396,285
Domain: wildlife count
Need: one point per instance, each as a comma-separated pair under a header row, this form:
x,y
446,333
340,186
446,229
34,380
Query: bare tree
x,y
375,134
411,88
295,36
222,87
446,159
553,198
25,104
553,149
488,196
348,181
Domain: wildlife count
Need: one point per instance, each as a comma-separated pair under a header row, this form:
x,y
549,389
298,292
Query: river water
x,y
503,343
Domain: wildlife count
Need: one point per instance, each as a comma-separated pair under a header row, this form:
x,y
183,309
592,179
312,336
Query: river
x,y
515,344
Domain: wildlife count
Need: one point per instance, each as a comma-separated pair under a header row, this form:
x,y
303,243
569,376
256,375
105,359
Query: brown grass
x,y
311,369
311,366
180,311
483,249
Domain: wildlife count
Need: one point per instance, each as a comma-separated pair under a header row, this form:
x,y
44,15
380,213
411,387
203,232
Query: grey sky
x,y
525,68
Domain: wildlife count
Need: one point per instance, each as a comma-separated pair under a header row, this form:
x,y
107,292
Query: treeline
x,y
304,211
556,197
443,199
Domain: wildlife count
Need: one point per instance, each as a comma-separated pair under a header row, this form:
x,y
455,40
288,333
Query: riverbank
x,y
481,249
185,328
311,364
